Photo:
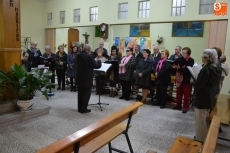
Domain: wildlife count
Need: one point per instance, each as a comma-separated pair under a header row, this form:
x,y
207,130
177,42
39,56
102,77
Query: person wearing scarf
x,y
163,79
34,55
184,87
126,68
71,67
61,66
143,72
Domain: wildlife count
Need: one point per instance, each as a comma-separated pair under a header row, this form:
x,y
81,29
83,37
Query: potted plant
x,y
24,85
159,40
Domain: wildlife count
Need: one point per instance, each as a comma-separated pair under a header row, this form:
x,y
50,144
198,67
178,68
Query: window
x,y
207,6
49,18
62,17
93,13
143,11
123,11
178,7
187,29
76,15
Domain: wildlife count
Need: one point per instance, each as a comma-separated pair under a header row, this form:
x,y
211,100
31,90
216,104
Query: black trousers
x,y
61,78
126,88
52,78
161,93
83,98
73,86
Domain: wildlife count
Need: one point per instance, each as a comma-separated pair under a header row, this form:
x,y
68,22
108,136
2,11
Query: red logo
x,y
220,9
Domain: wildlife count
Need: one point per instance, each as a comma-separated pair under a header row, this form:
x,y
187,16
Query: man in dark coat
x,y
85,64
175,56
156,56
137,54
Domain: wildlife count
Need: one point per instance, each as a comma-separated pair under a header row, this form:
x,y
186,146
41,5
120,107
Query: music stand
x,y
104,68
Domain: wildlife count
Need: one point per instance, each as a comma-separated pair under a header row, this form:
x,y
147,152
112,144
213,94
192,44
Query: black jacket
x,y
164,75
63,59
85,64
27,65
144,67
138,58
205,88
34,57
184,70
217,84
51,61
156,60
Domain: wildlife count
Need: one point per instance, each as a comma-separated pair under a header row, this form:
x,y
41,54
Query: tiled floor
x,y
152,128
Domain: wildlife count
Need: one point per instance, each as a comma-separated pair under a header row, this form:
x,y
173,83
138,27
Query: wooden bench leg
x,y
76,147
110,147
128,141
225,139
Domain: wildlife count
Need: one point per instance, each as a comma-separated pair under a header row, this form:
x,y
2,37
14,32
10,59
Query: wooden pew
x,y
222,109
95,136
185,145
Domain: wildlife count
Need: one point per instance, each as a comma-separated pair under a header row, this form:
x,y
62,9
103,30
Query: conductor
x,y
85,64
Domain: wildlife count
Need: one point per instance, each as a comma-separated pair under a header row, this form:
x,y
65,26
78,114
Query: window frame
x,y
77,17
178,7
206,4
142,10
49,19
62,18
93,14
122,11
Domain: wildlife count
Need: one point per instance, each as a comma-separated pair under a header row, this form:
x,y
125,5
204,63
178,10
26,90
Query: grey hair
x,y
179,47
78,44
101,42
139,47
87,47
47,47
210,55
156,46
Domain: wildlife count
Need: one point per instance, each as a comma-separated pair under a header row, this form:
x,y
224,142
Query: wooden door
x,y
50,39
217,34
73,36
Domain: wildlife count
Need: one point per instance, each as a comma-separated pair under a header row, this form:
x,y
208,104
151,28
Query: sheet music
x,y
104,67
195,70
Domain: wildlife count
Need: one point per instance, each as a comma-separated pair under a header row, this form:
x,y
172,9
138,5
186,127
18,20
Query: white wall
x,y
32,21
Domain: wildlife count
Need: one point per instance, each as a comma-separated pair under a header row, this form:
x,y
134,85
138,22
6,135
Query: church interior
x,y
166,24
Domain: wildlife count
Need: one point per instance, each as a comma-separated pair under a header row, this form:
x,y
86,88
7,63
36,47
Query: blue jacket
x,y
71,65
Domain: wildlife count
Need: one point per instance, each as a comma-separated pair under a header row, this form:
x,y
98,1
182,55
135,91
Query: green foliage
x,y
24,84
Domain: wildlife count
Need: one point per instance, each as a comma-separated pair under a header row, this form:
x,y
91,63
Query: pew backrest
x,y
212,136
87,134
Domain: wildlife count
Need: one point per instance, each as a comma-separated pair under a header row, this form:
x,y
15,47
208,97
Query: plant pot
x,y
25,105
159,41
